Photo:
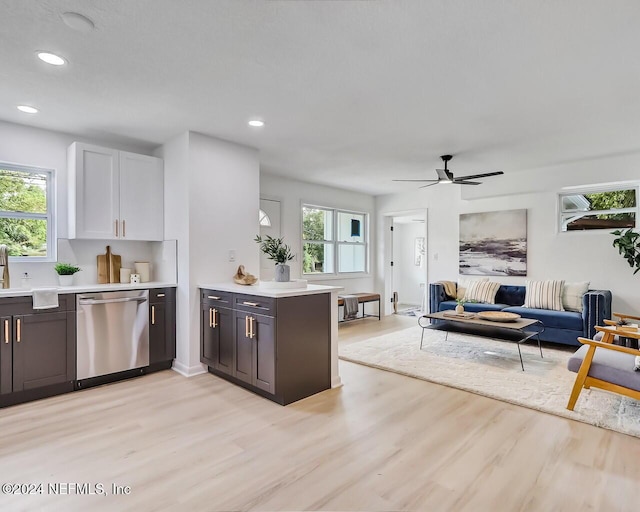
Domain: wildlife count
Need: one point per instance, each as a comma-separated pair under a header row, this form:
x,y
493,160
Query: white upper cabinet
x,y
114,195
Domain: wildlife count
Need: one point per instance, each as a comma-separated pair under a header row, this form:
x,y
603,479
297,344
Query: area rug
x,y
416,311
492,368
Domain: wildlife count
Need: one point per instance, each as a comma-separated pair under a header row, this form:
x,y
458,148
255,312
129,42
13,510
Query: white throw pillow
x,y
465,282
572,295
544,295
482,291
637,368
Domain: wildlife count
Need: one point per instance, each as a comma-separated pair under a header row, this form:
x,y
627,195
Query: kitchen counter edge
x,y
311,289
87,288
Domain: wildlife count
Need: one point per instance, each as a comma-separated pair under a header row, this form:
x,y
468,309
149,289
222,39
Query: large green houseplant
x,y
628,244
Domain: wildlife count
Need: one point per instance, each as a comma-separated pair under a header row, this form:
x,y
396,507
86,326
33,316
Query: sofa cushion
x,y
465,282
512,295
544,295
558,319
471,307
608,365
572,294
482,291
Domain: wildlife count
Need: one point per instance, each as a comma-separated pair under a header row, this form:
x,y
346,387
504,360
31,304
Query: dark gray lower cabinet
x,y
217,340
279,348
37,349
162,328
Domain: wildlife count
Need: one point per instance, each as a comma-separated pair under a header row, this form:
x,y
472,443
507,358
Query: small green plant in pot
x,y
276,250
460,306
65,273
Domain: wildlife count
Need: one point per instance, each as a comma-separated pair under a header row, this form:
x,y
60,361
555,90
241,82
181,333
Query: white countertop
x,y
24,292
255,289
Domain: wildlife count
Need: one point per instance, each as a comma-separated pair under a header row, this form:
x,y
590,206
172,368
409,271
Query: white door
x,y
141,197
269,225
95,212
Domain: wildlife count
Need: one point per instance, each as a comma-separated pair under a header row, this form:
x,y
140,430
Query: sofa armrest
x,y
596,306
436,296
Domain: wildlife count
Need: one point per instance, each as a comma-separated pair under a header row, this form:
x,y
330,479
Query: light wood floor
x,y
381,442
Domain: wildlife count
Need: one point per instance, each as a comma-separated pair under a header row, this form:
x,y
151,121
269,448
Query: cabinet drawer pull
x,y
153,315
160,295
254,304
210,317
213,297
251,321
246,326
215,318
116,222
19,330
6,331
124,229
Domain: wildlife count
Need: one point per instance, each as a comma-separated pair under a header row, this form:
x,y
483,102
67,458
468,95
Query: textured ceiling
x,y
354,93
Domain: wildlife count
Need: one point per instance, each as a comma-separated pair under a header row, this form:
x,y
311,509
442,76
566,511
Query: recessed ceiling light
x,y
78,22
256,123
51,58
27,109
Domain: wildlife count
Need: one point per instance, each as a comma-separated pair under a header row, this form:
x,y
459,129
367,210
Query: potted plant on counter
x,y
278,251
65,273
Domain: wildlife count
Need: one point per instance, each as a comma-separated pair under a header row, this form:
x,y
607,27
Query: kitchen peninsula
x,y
279,343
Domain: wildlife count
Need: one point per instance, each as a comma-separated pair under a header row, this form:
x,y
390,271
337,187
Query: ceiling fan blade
x,y
424,181
475,176
429,185
462,182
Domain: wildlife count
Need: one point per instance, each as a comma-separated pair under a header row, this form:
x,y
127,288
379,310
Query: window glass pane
x,y
611,200
350,227
23,191
317,224
351,258
264,219
318,259
576,222
24,237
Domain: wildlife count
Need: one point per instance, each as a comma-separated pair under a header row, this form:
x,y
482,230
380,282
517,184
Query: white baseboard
x,y
336,382
188,371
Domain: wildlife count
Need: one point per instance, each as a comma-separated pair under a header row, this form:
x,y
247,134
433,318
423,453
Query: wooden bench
x,y
363,298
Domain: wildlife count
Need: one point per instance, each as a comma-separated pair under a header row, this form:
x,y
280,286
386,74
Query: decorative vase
x,y
282,273
65,280
459,309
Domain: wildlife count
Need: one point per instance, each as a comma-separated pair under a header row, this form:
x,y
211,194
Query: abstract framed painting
x,y
494,243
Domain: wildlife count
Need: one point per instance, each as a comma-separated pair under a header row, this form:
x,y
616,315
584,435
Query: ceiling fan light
x,y
445,182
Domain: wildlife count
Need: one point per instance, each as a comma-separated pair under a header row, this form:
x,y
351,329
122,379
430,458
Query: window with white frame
x,y
606,208
26,212
333,241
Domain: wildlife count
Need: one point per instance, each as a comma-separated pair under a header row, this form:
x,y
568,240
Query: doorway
x,y
406,279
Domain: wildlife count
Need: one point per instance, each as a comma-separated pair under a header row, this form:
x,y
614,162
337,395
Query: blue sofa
x,y
559,326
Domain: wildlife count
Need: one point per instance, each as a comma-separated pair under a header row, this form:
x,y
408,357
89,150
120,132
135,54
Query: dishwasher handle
x,y
111,301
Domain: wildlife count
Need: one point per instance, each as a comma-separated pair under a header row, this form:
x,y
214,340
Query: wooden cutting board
x,y
103,266
109,267
115,262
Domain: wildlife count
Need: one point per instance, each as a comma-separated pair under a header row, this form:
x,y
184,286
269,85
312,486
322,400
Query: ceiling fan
x,y
446,176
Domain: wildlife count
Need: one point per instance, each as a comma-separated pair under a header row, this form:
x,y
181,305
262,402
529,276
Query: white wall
x,y
211,207
406,275
573,256
292,194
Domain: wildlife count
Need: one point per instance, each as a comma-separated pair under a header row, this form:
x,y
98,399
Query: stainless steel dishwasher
x,y
112,332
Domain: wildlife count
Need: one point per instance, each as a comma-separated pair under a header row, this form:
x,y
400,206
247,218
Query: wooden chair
x,y
603,365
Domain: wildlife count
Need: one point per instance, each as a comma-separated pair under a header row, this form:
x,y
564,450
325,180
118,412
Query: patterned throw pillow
x,y
482,291
572,295
465,282
544,295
